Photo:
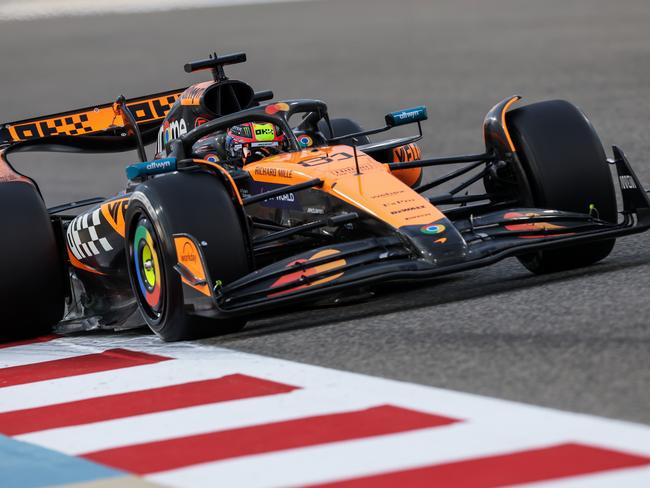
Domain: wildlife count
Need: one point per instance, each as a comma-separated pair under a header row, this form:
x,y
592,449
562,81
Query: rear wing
x,y
101,120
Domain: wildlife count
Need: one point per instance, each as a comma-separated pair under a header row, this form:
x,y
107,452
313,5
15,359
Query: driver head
x,y
243,141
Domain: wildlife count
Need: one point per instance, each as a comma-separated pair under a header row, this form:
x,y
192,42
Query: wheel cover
x,y
147,267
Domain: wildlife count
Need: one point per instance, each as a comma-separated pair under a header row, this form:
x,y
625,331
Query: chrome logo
x,y
433,229
305,141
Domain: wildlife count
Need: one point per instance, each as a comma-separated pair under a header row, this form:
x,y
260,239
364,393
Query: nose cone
x,y
438,242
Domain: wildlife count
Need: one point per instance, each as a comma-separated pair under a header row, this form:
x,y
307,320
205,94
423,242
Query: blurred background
x,y
363,57
577,340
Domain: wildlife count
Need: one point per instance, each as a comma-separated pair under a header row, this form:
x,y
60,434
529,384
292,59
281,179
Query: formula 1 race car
x,y
251,206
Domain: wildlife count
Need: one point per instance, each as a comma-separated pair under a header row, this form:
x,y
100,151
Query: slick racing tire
x,y
197,204
343,127
566,168
32,291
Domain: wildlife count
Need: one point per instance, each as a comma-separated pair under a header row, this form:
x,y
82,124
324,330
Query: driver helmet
x,y
253,140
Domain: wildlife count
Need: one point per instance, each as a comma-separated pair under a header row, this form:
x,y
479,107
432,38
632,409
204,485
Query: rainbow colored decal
x,y
305,141
541,226
277,107
147,265
432,229
295,277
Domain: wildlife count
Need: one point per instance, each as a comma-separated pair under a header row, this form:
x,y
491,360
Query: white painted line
x,y
68,347
93,385
38,353
13,10
351,459
624,478
190,421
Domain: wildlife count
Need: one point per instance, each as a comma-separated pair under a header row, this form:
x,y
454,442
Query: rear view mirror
x,y
406,116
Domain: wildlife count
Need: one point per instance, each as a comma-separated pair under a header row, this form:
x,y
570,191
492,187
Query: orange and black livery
x,y
251,205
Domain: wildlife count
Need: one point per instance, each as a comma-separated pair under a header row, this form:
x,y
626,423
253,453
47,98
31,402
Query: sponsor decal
x,y
114,212
169,131
409,152
348,170
241,130
418,216
402,201
92,120
188,255
149,168
407,116
192,96
277,107
409,209
84,236
265,144
213,158
199,121
387,194
289,197
305,141
71,125
153,109
159,165
433,229
287,201
627,182
264,132
277,172
442,240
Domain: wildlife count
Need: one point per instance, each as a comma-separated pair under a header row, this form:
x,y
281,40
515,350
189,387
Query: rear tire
x,y
32,289
566,168
191,203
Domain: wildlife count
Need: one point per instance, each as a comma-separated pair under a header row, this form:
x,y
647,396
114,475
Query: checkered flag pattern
x,y
72,125
82,237
75,125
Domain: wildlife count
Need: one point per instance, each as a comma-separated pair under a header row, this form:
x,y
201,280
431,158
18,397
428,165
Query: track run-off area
x,y
73,410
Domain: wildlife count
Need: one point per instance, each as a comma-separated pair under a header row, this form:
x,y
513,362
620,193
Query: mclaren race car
x,y
251,206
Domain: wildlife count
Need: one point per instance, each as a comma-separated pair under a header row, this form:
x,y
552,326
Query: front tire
x,y
566,169
197,204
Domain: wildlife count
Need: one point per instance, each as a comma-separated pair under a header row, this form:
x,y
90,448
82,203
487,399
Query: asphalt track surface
x,y
577,341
